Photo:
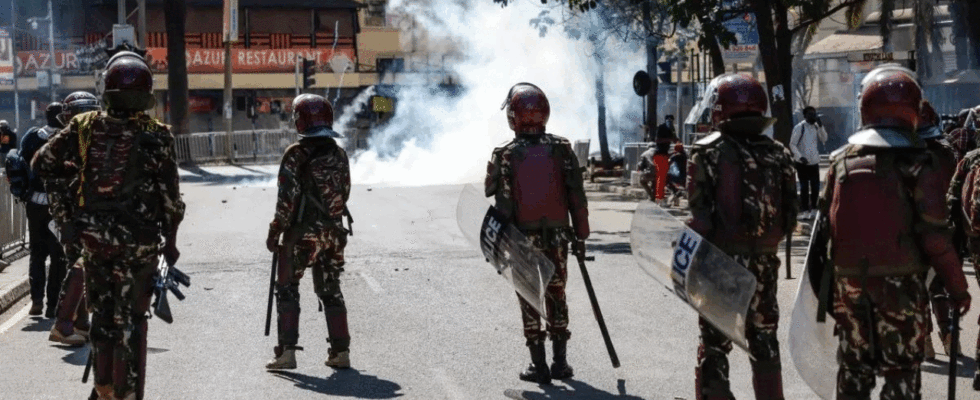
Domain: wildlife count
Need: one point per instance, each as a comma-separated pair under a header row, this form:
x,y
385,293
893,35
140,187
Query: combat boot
x,y
930,352
37,308
560,368
538,370
73,339
285,358
338,359
104,392
948,342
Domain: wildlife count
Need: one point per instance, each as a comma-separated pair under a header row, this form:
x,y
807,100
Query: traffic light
x,y
664,72
309,73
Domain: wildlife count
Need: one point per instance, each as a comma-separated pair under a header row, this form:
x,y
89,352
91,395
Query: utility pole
x,y
13,42
142,21
230,35
51,55
651,47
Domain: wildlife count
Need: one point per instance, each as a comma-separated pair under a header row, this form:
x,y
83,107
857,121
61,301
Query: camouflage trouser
x,y
763,320
554,298
72,306
882,331
119,291
939,300
322,250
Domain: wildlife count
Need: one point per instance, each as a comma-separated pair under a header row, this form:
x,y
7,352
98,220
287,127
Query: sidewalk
x,y
14,284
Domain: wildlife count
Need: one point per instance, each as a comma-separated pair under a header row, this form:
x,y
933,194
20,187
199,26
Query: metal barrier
x,y
258,146
13,220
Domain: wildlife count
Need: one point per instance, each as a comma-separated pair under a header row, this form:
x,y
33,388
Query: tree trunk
x,y
717,61
175,11
600,97
960,35
651,44
774,51
973,28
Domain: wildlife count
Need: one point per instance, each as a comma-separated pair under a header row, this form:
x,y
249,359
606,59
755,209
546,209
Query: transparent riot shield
x,y
699,273
812,344
505,247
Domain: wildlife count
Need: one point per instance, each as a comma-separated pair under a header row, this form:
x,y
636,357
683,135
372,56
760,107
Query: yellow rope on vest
x,y
84,142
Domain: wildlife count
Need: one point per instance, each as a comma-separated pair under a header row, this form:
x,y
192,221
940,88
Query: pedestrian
x,y
677,174
314,186
742,196
127,200
666,137
803,144
44,245
964,138
884,242
648,172
536,181
72,325
8,139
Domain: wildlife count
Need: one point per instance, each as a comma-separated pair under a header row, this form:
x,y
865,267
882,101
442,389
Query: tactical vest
x,y
748,175
324,183
872,216
540,192
114,167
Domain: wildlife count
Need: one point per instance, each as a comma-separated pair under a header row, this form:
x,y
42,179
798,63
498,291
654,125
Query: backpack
x,y
18,175
325,182
872,215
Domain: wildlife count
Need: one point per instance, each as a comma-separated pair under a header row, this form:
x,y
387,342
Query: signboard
x,y
6,58
747,35
212,61
230,21
201,105
30,62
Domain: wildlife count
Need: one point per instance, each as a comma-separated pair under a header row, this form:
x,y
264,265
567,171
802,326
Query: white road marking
x,y
375,286
15,319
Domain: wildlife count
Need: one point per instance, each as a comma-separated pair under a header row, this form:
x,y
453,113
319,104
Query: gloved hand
x,y
272,242
578,248
962,302
802,160
170,252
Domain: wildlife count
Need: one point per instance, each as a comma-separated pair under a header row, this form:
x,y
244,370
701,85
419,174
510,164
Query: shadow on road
x,y
203,176
77,355
347,383
575,390
967,366
610,248
39,324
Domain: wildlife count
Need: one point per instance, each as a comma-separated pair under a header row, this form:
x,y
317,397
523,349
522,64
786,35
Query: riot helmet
x,y
527,109
313,116
739,104
891,103
128,83
78,103
51,114
928,122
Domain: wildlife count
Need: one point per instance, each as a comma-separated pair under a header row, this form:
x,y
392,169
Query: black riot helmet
x,y
51,114
128,83
78,103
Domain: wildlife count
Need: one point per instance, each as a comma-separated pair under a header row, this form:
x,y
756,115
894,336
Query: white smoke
x,y
436,139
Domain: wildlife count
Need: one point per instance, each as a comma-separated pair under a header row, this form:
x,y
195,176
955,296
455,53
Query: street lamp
x,y
34,25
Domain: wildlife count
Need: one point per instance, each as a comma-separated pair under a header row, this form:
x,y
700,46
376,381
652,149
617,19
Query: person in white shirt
x,y
803,144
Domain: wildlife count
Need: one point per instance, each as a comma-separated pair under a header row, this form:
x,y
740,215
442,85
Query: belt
x,y
39,198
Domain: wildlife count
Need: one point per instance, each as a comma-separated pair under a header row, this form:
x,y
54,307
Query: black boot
x,y
560,368
538,370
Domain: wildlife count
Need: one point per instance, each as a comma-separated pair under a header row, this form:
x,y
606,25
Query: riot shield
x,y
812,344
703,276
505,247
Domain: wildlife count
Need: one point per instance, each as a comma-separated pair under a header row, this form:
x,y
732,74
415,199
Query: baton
x,y
272,292
595,308
789,248
88,366
954,350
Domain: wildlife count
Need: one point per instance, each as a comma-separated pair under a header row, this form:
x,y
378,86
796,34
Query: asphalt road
x,y
429,318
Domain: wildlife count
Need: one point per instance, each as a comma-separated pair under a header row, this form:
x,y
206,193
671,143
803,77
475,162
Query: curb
x,y
627,192
17,292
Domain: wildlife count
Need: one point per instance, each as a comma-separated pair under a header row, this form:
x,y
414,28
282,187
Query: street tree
x,y
174,14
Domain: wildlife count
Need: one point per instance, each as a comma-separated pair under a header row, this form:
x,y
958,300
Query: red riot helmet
x,y
928,122
128,83
891,99
738,96
311,111
527,109
78,103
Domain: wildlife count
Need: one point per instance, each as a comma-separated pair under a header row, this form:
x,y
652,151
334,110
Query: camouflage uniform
x,y
963,140
126,199
314,186
881,311
552,241
939,298
972,243
746,217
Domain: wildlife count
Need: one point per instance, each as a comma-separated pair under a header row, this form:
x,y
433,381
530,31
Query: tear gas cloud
x,y
438,139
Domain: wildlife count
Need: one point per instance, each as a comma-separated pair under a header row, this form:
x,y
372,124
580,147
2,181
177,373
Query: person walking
x,y
803,145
